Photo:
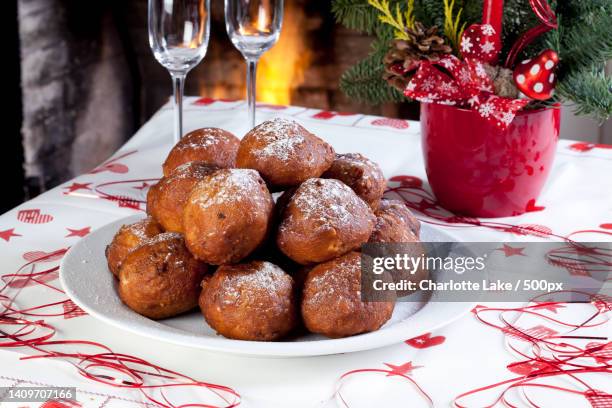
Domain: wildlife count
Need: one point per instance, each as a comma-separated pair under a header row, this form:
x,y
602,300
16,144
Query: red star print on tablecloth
x,y
511,251
78,232
76,186
8,234
549,305
477,308
404,369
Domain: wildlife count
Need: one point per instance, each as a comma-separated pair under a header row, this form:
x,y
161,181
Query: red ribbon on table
x,y
452,81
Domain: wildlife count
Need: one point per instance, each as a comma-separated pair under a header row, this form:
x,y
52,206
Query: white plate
x,y
85,277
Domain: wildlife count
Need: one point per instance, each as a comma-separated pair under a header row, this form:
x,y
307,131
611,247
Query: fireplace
x,y
89,79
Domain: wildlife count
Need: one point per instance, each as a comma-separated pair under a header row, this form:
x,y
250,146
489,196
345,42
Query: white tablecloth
x,y
576,201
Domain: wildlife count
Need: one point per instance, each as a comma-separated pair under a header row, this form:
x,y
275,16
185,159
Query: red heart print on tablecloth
x,y
113,166
124,201
42,256
575,268
586,147
606,226
205,101
17,283
407,181
325,115
425,341
528,367
34,216
71,310
393,123
602,352
599,399
61,404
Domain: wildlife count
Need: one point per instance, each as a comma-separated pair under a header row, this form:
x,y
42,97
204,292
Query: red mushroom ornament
x,y
536,77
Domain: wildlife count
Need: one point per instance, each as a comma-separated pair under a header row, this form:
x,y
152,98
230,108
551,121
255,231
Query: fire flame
x,y
281,69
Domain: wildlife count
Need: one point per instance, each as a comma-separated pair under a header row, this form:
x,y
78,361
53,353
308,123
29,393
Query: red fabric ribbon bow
x,y
452,81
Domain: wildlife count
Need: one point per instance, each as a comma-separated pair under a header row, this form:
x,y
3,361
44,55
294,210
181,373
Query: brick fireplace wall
x,y
76,91
89,79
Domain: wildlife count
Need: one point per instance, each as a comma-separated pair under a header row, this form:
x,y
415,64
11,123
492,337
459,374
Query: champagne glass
x,y
253,27
178,36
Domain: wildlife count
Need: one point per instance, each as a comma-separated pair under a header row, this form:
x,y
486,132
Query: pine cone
x,y
403,56
503,81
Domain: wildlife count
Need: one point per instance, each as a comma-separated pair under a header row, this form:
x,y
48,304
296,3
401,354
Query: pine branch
x,y
364,82
429,12
518,18
586,39
357,15
590,89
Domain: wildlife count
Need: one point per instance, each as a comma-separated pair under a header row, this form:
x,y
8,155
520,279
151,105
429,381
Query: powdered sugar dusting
x,y
193,169
228,186
329,201
261,275
204,138
164,236
336,283
140,229
282,138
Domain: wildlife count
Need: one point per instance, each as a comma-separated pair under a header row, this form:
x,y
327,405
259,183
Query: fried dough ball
x,y
284,153
331,300
208,145
395,223
227,216
160,278
251,301
361,174
166,199
322,220
127,238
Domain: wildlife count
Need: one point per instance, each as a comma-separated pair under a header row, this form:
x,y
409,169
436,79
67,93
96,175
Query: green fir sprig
x,y
583,42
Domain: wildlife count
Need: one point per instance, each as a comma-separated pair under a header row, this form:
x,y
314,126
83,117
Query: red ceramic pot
x,y
479,170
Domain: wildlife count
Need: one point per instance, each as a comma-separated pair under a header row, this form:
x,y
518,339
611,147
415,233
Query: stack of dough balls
x,y
215,238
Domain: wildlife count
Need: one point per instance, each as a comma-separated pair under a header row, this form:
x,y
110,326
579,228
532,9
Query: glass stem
x,y
178,87
251,88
